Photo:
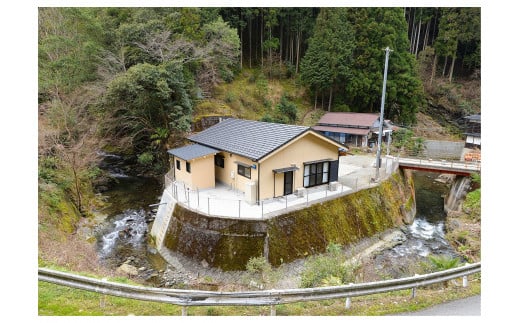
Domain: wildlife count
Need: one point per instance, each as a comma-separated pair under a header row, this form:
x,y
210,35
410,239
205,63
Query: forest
x,y
129,80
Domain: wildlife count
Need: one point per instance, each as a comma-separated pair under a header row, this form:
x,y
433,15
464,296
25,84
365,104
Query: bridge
x,y
464,168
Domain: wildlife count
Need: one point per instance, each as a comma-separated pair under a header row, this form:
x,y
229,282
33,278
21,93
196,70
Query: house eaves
x,y
191,152
308,131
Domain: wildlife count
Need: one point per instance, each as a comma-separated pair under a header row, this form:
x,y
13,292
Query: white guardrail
x,y
187,298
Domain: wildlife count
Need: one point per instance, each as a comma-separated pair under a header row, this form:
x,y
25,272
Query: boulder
x,y
128,270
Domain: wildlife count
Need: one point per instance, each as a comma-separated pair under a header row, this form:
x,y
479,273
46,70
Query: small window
x,y
178,164
244,171
188,167
219,161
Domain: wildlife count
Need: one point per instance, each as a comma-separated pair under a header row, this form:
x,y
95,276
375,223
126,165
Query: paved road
x,y
465,306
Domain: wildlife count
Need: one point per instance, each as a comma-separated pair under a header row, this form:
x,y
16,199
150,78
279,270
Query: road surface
x,y
465,306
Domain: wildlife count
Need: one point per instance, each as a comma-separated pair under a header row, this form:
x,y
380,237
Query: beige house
x,y
261,159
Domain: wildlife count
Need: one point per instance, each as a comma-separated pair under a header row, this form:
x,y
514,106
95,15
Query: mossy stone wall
x,y
344,220
230,243
224,243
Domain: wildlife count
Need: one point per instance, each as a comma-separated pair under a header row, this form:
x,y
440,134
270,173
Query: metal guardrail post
x,y
414,289
465,278
208,206
184,311
273,310
239,209
262,203
348,301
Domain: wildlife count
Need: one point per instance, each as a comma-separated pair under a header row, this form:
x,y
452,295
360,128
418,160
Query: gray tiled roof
x,y
251,139
192,151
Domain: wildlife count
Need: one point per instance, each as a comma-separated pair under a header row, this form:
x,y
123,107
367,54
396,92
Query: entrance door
x,y
287,183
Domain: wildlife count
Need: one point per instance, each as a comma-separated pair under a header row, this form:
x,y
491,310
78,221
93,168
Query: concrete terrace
x,y
355,173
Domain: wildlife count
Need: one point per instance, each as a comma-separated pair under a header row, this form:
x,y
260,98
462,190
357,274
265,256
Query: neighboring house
x,y
261,159
352,128
472,131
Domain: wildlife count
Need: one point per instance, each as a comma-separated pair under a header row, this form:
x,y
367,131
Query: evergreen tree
x,y
375,29
325,67
459,34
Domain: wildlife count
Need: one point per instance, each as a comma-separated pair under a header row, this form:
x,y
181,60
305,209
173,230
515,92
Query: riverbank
x,y
187,273
463,231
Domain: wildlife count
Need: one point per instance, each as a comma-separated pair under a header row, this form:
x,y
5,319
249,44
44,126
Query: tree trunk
x,y
76,184
434,68
445,64
412,39
417,37
291,55
426,35
413,32
281,44
241,42
298,40
250,41
270,51
262,38
330,99
452,66
315,99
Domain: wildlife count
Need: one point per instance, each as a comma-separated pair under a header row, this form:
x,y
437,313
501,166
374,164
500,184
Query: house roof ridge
x,y
249,138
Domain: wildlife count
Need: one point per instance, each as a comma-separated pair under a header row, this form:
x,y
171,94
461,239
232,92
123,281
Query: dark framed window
x,y
178,164
219,161
244,171
188,167
316,174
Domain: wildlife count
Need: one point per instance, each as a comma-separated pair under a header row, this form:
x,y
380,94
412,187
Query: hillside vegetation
x,y
131,81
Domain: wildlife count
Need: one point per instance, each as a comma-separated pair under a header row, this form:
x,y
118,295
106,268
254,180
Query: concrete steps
x,y
162,219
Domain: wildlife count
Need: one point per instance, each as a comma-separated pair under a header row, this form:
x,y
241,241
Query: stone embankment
x,y
229,243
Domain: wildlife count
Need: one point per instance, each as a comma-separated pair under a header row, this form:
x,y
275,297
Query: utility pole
x,y
381,117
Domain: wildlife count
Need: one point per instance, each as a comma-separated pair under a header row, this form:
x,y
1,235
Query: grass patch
x,y
252,96
55,300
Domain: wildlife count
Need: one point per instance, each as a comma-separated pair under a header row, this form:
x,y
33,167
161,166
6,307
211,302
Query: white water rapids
x,y
128,229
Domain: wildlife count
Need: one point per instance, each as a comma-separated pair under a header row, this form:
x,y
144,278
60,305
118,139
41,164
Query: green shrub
x,y
230,97
444,262
262,87
327,269
145,158
260,269
287,109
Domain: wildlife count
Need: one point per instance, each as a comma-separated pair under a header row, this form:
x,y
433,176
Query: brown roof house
x,y
261,159
352,128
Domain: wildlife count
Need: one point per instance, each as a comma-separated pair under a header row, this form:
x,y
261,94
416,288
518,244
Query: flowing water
x,y
425,236
123,237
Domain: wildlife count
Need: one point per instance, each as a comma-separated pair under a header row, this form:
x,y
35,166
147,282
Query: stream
x,y
425,236
123,237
